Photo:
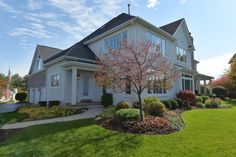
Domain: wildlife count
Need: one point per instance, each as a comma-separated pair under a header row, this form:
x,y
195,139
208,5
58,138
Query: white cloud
x,y
152,3
215,66
183,1
7,7
33,5
35,30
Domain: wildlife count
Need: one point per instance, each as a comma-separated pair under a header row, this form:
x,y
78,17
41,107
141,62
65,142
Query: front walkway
x,y
91,113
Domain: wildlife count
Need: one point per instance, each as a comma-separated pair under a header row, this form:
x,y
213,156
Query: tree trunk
x,y
141,106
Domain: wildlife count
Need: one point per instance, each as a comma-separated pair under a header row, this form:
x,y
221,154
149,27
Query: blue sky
x,y
61,23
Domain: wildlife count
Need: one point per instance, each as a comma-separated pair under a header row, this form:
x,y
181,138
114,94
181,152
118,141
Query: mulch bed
x,y
4,134
150,125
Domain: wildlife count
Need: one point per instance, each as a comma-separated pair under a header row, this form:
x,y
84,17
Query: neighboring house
x,y
68,75
8,95
231,60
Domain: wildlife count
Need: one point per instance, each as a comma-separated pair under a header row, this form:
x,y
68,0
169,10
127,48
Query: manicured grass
x,y
208,133
11,117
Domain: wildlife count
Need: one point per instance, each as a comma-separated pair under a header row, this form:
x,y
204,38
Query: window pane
x,y
187,85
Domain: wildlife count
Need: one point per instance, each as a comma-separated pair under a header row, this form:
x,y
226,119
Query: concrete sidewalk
x,y
91,113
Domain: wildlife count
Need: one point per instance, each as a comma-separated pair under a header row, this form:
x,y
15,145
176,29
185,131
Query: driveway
x,y
9,107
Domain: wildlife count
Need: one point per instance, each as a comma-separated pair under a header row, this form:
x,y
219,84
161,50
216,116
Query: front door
x,y
86,87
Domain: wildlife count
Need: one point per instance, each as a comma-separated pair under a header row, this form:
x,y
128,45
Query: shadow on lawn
x,y
230,102
76,138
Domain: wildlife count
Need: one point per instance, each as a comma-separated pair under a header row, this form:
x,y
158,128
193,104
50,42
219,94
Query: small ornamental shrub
x,y
187,96
128,114
174,104
123,105
204,98
167,104
198,99
200,105
107,99
220,91
213,103
151,99
108,112
155,108
180,102
54,103
21,96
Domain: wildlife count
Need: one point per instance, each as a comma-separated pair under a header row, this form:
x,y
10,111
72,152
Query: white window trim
x,y
54,87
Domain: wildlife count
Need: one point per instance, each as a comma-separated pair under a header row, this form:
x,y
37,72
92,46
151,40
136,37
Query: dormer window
x,y
115,41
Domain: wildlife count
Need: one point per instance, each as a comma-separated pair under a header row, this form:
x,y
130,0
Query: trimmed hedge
x,y
180,102
213,103
220,91
151,99
128,114
198,99
155,108
204,98
123,105
107,99
22,96
167,104
174,104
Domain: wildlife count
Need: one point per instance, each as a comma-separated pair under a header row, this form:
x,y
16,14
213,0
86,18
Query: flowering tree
x,y
135,66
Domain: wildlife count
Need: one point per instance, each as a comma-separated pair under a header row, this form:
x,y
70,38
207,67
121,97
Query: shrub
x,y
186,96
123,105
204,98
220,91
128,114
107,99
43,112
151,99
180,102
212,103
167,104
54,103
174,104
21,96
198,99
200,105
108,112
155,108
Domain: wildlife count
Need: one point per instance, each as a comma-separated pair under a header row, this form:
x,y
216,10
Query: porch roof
x,y
203,77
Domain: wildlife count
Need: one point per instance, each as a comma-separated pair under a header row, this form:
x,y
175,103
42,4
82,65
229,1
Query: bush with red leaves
x,y
187,97
149,124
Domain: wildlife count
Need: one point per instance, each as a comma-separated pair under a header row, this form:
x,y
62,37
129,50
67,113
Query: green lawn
x,y
208,133
11,117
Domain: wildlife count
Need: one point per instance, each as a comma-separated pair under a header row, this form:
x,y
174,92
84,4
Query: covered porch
x,y
80,85
205,79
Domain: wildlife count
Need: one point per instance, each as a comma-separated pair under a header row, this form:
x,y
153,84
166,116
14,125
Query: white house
x,y
68,75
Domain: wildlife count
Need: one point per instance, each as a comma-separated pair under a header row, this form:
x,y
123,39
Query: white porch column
x,y
73,86
199,86
210,86
205,91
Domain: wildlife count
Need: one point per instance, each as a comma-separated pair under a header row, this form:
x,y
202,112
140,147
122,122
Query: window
x,y
157,86
86,86
55,80
187,82
115,41
39,63
156,41
181,54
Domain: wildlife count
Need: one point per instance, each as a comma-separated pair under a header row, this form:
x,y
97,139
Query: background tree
x,y
18,82
3,83
135,65
232,78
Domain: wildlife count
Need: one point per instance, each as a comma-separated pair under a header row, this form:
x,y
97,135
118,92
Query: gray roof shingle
x,y
172,27
80,50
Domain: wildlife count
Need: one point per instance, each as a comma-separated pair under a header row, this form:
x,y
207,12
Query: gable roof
x,y
45,52
172,27
231,60
80,50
